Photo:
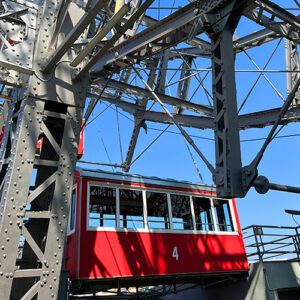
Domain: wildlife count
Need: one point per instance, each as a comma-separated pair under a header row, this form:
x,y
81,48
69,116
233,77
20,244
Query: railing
x,y
272,242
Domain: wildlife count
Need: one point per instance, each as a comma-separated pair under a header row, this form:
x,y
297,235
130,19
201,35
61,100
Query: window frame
x,y
119,205
92,228
168,192
69,231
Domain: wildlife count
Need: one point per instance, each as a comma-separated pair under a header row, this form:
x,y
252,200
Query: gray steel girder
x,y
292,64
141,92
18,37
170,31
281,21
227,142
39,190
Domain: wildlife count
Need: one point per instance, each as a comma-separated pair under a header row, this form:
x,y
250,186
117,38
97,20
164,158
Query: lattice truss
x,y
56,54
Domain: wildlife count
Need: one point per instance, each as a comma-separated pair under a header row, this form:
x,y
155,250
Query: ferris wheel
x,y
189,79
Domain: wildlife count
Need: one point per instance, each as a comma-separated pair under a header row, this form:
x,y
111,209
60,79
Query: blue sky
x,y
169,157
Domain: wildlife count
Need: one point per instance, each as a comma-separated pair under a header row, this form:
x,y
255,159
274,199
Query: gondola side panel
x,y
111,253
73,238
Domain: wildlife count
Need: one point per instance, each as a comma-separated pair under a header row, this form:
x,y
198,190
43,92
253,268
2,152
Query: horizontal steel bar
x,y
27,273
271,226
38,214
11,66
141,92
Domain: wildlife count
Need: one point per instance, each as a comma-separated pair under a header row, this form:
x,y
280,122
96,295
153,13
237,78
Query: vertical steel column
x,y
36,190
162,73
3,113
292,66
228,176
138,119
15,189
185,80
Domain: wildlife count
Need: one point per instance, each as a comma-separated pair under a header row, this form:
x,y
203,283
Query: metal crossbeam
x,y
281,21
78,29
138,91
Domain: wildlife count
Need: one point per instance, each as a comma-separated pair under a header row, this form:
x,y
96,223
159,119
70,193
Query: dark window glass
x,y
102,210
157,209
131,209
73,211
181,212
223,217
203,214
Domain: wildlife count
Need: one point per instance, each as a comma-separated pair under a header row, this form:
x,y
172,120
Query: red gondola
x,y
131,229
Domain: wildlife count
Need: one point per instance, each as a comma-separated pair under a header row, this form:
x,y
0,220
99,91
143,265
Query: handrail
x,y
265,242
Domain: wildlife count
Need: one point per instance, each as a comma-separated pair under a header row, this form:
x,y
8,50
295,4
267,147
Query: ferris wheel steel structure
x,y
56,53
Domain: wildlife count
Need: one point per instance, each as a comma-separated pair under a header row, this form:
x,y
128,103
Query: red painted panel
x,y
81,143
72,240
114,254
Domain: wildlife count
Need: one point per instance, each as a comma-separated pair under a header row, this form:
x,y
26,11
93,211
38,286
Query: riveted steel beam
x,y
138,91
228,178
47,108
100,35
78,29
93,62
292,64
281,21
172,30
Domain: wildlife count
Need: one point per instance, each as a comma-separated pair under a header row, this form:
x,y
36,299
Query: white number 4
x,y
175,253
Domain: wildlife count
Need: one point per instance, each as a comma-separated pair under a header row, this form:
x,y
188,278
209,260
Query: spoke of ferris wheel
x,y
264,75
266,64
183,132
207,93
281,114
